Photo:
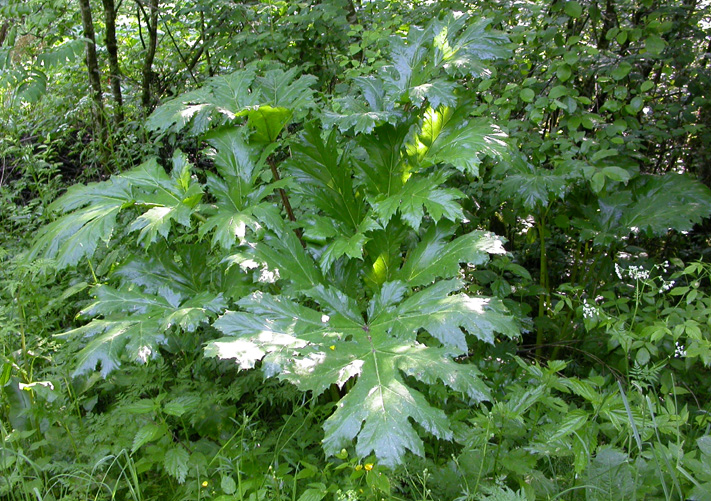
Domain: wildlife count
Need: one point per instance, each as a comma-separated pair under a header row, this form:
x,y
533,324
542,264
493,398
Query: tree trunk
x,y
151,20
112,50
92,65
3,31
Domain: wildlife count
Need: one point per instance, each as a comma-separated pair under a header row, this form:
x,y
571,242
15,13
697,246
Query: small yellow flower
x,y
368,466
332,347
204,484
358,467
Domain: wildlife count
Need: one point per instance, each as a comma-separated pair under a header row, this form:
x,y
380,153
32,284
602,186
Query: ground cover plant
x,y
450,251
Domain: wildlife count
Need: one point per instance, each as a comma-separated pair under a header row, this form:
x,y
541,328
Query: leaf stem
x,y
285,199
544,297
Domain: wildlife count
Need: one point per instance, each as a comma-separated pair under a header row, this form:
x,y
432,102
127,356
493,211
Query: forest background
x,y
347,249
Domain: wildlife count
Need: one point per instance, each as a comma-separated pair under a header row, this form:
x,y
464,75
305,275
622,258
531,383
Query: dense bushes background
x,y
276,218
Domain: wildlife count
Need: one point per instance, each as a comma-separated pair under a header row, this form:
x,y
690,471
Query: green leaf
x,y
176,463
528,185
448,136
184,271
285,256
230,94
611,474
573,9
464,46
148,433
381,168
527,95
268,122
276,94
236,190
378,410
563,72
181,405
228,485
350,246
281,89
672,201
316,348
438,257
177,113
75,236
621,71
313,494
635,105
135,324
416,194
325,177
654,44
168,198
436,93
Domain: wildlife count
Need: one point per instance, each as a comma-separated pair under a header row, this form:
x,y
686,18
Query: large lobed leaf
x,y
334,340
270,102
90,212
135,324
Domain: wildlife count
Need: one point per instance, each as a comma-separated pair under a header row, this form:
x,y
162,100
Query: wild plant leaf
x,y
268,122
531,186
286,257
348,113
181,405
611,474
90,211
379,162
148,433
168,198
236,189
221,99
463,47
385,253
109,343
231,94
76,235
135,324
314,348
324,176
672,201
285,99
652,204
407,56
269,101
436,93
281,89
449,136
437,256
175,462
444,316
177,113
351,247
419,194
185,271
348,243
234,157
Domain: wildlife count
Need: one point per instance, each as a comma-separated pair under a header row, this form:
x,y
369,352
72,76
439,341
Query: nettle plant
x,y
328,257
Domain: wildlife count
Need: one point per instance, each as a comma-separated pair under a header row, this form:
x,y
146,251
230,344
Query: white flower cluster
x,y
634,272
680,350
666,285
639,273
589,311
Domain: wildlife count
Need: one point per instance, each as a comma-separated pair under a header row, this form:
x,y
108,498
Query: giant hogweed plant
x,y
350,276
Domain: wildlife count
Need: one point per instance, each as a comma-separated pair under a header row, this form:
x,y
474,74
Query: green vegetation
x,y
342,250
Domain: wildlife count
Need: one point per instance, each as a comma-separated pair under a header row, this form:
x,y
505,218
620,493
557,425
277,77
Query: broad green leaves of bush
x,y
355,282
